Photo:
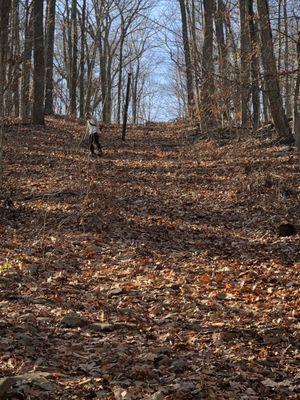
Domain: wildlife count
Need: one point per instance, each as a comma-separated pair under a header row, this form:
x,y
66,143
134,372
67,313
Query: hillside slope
x,y
169,253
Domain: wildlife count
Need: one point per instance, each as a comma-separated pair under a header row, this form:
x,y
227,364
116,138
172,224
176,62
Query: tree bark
x,y
39,64
245,60
5,6
73,86
207,64
16,57
223,60
50,29
254,66
120,75
287,85
271,77
187,56
26,63
82,57
297,99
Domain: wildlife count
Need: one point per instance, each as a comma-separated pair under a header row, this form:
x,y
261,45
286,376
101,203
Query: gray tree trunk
x,y
208,88
82,58
39,64
297,99
73,77
16,55
26,63
287,84
50,29
5,6
254,66
270,72
245,62
187,56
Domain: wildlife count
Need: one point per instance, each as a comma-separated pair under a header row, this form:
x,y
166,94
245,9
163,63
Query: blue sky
x,y
164,101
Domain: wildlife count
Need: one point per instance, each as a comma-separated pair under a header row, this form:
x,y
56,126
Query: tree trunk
x,y
287,85
50,29
279,35
254,66
82,57
187,56
16,56
120,73
4,18
73,85
297,99
26,63
39,64
207,64
5,6
223,60
270,72
245,59
195,54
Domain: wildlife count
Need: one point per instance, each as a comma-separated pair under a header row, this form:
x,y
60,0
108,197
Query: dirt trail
x,y
168,253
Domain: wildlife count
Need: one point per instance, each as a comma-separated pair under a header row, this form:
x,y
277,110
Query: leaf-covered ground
x,y
169,255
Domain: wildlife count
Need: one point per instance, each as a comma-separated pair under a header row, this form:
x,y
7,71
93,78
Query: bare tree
x,y
208,86
73,63
39,64
270,71
5,7
187,54
254,66
297,98
245,70
50,29
82,59
26,62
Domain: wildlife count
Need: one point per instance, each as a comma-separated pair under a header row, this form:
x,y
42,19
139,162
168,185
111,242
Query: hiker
x,y
93,128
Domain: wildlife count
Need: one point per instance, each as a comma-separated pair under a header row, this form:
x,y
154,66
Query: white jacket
x,y
92,125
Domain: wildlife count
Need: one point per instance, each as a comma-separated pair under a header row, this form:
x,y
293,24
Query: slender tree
x,y
270,72
208,87
245,70
187,54
16,56
73,77
254,66
5,7
50,29
297,98
39,64
26,62
82,59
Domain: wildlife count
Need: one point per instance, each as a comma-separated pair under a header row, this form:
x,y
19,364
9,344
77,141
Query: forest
x,y
149,199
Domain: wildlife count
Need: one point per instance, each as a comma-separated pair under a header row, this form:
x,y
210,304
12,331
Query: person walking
x,y
93,128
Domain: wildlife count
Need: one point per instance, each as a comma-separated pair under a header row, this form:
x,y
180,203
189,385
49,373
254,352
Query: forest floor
x,y
154,272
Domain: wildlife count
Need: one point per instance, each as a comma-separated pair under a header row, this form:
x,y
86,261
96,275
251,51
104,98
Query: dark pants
x,y
94,140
